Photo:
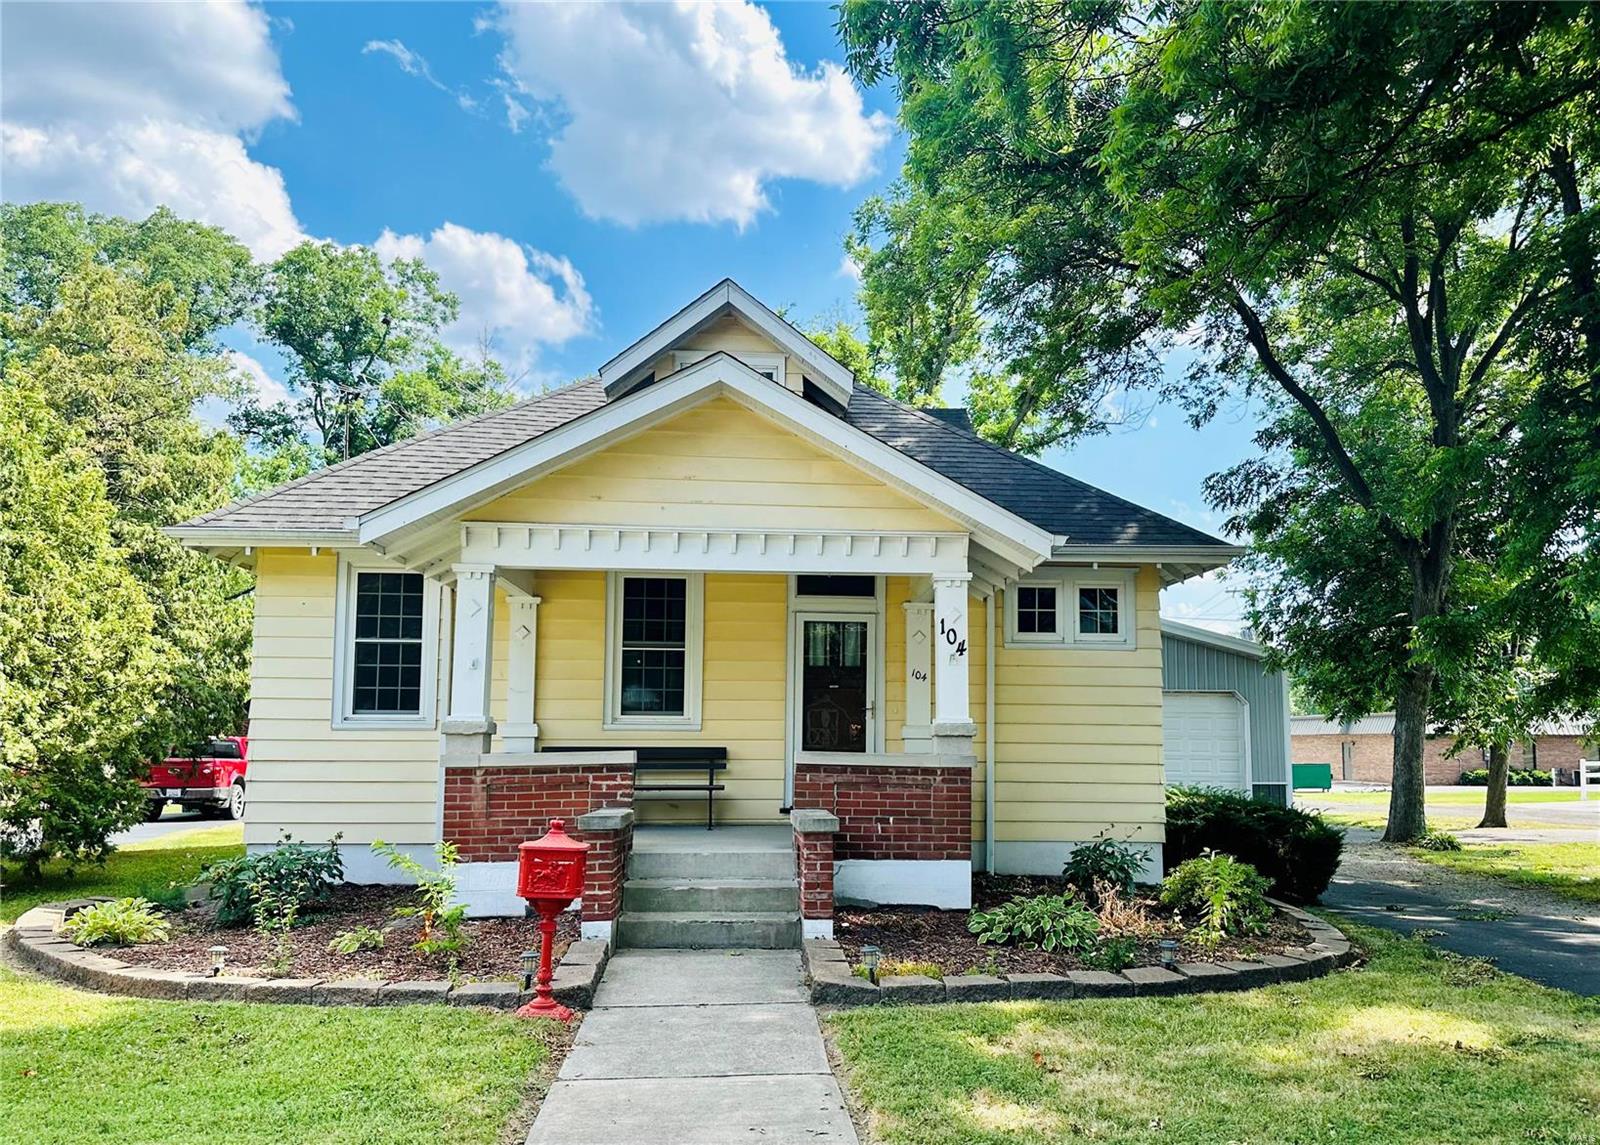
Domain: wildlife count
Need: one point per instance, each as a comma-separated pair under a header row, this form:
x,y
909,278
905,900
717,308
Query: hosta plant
x,y
120,922
1046,922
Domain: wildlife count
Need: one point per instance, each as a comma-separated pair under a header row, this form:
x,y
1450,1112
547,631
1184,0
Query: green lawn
x,y
1571,870
1414,1047
134,869
1447,810
82,1067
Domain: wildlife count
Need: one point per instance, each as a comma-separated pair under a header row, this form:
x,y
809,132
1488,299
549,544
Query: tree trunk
x,y
1407,817
1494,801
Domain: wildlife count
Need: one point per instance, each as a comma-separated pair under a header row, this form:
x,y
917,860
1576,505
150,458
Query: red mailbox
x,y
550,875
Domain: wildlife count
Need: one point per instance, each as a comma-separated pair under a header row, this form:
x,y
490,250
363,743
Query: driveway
x,y
1524,931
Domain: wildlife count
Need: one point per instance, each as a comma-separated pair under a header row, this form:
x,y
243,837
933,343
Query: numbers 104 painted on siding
x,y
958,645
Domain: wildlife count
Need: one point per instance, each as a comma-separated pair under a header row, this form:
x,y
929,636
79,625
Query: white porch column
x,y
520,731
917,732
472,660
953,728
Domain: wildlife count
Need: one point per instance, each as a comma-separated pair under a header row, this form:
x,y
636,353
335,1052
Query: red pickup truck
x,y
210,781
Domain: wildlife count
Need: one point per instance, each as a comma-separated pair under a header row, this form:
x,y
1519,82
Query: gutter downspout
x,y
988,734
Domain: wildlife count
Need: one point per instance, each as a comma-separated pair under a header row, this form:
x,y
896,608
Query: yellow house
x,y
817,598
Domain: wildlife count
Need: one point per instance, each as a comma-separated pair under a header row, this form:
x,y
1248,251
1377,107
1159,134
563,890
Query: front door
x,y
835,702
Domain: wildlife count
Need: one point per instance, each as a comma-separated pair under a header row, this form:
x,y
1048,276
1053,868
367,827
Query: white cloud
x,y
681,111
415,64
263,386
126,107
518,297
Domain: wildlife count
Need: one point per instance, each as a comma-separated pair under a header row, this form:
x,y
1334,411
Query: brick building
x,y
1362,751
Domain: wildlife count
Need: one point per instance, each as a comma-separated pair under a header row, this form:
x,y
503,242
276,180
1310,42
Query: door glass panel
x,y
834,686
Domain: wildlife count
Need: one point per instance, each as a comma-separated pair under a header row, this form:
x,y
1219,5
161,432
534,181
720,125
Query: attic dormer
x,y
728,319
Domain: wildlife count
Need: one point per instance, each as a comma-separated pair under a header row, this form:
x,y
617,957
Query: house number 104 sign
x,y
958,647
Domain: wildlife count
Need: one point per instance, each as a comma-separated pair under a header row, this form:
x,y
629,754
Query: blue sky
x,y
575,172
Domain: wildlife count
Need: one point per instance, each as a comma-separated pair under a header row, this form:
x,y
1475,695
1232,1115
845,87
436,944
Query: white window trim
x,y
757,360
1035,639
694,611
1067,582
1119,579
344,663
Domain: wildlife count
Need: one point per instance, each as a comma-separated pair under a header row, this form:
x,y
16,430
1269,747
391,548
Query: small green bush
x,y
1219,895
1516,777
441,931
1298,852
120,922
357,939
1046,922
1103,861
1113,954
297,879
1437,841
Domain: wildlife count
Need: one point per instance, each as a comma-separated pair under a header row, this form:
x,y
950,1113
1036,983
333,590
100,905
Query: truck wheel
x,y
153,809
236,801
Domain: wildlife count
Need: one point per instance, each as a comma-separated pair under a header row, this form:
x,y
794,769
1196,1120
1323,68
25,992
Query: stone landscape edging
x,y
834,984
35,942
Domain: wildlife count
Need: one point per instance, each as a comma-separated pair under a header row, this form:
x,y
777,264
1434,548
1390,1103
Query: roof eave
x,y
204,538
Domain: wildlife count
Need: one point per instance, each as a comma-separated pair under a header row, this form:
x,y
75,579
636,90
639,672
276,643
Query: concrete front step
x,y
701,930
710,895
708,864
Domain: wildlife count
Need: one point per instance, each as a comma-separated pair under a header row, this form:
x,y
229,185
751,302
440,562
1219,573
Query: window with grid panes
x,y
1036,610
654,645
387,673
1099,612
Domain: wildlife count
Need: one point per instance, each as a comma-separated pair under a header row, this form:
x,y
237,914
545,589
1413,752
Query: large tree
x,y
367,365
1374,221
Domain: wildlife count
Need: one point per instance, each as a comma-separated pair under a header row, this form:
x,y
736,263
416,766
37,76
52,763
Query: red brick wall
x,y
489,810
892,812
813,861
1373,756
603,877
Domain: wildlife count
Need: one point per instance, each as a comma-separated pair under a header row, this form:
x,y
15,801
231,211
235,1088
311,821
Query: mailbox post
x,y
550,874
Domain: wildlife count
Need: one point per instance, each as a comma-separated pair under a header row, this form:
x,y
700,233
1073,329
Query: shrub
x,y
293,874
1516,777
357,939
1047,922
120,922
1298,852
1113,954
1220,894
436,888
1437,841
1103,861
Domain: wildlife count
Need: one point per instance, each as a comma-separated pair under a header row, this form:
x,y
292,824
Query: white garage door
x,y
1203,740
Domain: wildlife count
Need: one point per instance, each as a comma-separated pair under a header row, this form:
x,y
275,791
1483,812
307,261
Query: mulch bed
x,y
924,934
493,951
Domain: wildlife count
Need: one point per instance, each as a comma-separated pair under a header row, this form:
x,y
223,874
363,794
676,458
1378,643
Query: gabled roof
x,y
1210,639
631,367
324,507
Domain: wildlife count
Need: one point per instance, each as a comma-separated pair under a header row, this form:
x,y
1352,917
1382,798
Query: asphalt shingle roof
x,y
328,500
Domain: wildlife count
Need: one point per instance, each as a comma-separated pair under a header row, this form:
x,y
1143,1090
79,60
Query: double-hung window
x,y
386,653
653,650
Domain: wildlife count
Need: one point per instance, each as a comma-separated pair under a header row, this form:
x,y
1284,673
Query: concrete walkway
x,y
1525,931
696,1047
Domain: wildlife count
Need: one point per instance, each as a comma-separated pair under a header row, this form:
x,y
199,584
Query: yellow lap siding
x,y
717,465
304,777
1078,736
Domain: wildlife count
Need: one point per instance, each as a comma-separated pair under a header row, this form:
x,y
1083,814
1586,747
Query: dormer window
x,y
769,366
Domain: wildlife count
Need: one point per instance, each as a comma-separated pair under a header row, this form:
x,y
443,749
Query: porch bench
x,y
666,760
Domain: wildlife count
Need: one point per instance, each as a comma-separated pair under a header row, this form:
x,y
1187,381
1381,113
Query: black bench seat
x,y
666,760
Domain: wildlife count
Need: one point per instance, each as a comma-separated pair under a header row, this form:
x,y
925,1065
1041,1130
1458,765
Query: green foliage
x,y
1044,922
1297,851
1517,777
76,642
1113,953
367,366
1103,862
1221,895
1437,841
442,931
893,966
355,940
291,876
119,922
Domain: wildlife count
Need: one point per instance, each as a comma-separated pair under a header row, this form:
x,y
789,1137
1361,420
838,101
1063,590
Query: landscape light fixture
x,y
869,959
530,965
219,959
1169,951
